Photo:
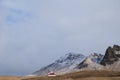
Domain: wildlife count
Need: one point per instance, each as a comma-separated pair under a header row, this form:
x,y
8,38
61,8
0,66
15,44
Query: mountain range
x,y
73,62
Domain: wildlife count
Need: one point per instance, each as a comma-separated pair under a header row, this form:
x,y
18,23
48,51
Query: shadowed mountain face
x,y
112,55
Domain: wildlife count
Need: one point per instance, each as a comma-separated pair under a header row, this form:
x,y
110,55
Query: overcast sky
x,y
34,33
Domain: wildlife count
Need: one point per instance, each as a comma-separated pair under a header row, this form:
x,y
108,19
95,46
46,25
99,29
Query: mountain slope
x,y
63,65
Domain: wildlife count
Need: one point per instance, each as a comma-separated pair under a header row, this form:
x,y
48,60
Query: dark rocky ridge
x,y
112,55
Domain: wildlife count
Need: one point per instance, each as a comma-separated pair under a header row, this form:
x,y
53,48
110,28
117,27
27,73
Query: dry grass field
x,y
83,75
9,78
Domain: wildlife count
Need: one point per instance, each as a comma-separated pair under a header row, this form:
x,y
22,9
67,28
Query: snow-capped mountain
x,y
72,62
63,65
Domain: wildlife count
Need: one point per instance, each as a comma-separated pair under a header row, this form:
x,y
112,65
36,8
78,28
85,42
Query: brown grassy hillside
x,y
82,75
9,78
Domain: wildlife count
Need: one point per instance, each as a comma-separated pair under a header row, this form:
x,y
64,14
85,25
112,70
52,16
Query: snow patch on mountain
x,y
65,64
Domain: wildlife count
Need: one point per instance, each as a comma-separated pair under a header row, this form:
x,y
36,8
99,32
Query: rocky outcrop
x,y
112,55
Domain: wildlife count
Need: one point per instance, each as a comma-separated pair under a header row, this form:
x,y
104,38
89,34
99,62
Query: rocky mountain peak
x,y
112,54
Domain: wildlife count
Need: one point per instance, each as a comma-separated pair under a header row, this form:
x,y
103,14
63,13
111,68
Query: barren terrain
x,y
82,75
10,78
